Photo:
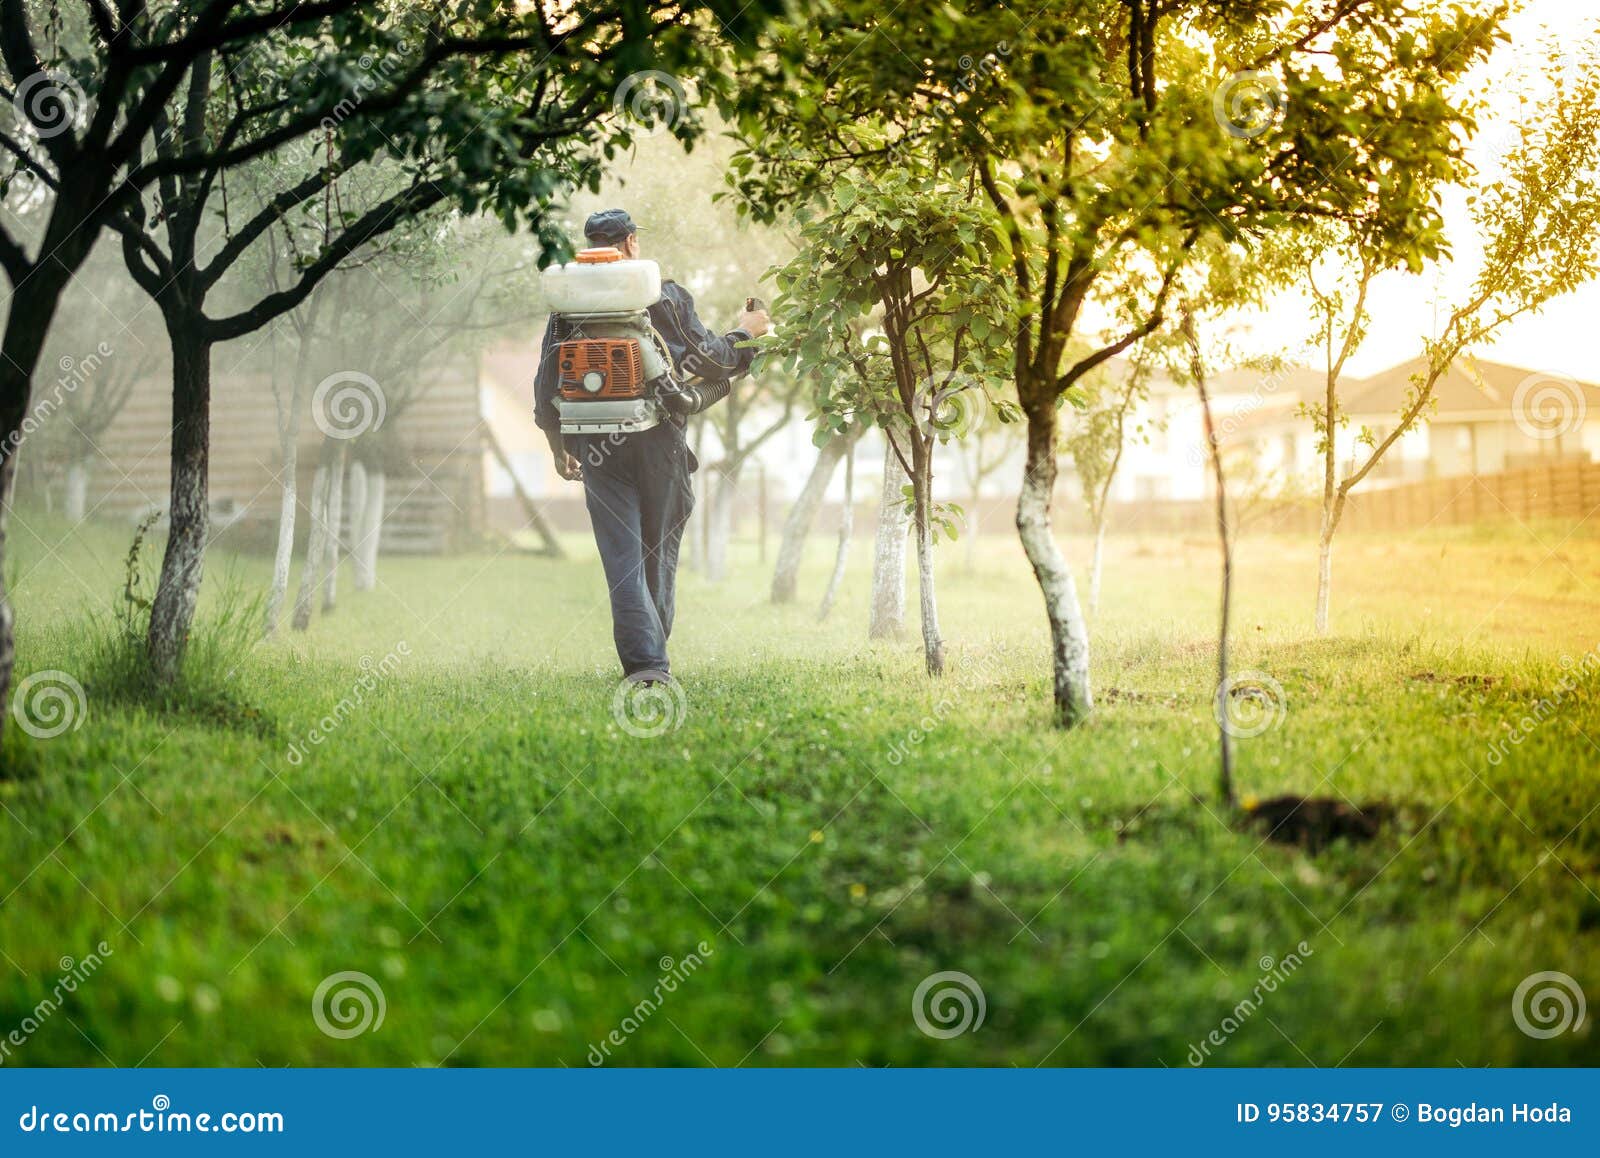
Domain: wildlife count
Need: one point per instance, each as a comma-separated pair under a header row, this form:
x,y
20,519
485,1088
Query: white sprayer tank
x,y
601,281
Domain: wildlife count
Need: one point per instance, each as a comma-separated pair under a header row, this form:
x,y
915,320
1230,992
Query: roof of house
x,y
1470,386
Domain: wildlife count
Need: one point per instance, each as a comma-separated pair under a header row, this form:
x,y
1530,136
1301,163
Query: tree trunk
x,y
283,558
971,529
334,520
1095,564
1069,636
1324,578
357,502
75,504
188,512
932,642
316,542
888,614
364,551
801,516
846,530
67,240
1225,539
719,523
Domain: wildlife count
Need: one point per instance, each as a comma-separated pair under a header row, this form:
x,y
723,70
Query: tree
x,y
910,252
1537,223
1110,136
833,450
982,455
1096,441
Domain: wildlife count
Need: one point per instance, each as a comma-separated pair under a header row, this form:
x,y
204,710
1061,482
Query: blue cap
x,y
609,227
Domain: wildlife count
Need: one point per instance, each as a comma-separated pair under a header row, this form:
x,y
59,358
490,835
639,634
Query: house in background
x,y
1487,418
435,490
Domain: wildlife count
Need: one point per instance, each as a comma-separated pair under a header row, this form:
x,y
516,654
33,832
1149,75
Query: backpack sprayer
x,y
612,367
614,373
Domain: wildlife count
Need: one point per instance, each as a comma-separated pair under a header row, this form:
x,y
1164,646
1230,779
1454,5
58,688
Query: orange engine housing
x,y
618,361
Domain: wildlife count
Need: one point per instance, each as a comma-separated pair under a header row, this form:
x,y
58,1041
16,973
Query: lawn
x,y
774,881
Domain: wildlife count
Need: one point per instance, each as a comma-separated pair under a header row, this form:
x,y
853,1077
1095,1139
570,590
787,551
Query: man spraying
x,y
624,362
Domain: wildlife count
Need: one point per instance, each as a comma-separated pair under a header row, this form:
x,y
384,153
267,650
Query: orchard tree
x,y
1110,137
1536,225
909,256
1096,439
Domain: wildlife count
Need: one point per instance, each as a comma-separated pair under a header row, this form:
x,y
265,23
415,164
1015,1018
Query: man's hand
x,y
567,464
755,322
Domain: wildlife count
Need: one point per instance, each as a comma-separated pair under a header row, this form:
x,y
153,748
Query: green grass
x,y
481,838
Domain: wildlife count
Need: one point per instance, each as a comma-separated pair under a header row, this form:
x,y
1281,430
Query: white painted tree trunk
x,y
1095,564
335,521
932,641
316,541
846,530
792,548
888,614
1324,580
357,502
76,502
724,493
1069,635
364,551
283,558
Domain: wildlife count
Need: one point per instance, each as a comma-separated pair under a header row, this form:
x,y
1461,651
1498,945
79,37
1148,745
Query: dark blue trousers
x,y
639,497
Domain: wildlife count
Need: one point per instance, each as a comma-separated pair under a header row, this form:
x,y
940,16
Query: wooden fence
x,y
1569,489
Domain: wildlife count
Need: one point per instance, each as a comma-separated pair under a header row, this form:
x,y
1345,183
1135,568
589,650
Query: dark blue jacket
x,y
695,350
